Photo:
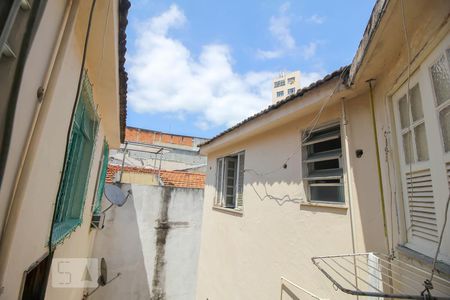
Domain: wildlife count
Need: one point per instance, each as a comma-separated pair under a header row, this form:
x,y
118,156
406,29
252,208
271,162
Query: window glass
x,y
71,194
421,142
280,94
444,120
240,185
407,147
230,163
404,112
416,103
327,193
441,79
323,165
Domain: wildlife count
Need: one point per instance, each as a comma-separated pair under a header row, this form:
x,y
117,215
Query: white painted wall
x,y
129,238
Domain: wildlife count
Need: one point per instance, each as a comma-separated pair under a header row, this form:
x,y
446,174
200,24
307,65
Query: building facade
x,y
158,150
64,106
286,84
348,178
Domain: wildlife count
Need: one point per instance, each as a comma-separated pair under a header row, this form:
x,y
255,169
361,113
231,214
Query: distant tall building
x,y
285,85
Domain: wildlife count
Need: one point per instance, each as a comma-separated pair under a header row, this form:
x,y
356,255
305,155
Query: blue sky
x,y
197,67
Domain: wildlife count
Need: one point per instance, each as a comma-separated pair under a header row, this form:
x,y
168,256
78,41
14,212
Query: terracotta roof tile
x,y
124,5
169,178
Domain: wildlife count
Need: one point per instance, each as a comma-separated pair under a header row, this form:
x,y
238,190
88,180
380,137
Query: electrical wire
x,y
428,285
440,239
315,121
408,102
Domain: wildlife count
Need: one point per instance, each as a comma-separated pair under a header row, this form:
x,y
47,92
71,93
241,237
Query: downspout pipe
x,y
380,179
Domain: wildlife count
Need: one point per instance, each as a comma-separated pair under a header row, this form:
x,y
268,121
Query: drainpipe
x,y
40,97
380,179
350,198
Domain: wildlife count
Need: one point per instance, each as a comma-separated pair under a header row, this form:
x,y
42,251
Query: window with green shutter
x,y
101,180
72,190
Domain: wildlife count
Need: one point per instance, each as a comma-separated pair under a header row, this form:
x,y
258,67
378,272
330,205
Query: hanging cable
x,y
408,102
441,236
313,121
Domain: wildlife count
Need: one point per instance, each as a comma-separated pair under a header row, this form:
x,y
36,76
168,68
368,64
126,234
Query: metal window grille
x,y
322,160
101,182
71,196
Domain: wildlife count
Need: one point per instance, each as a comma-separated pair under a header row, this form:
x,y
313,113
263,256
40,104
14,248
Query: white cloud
x,y
309,50
166,78
280,29
307,78
316,19
268,54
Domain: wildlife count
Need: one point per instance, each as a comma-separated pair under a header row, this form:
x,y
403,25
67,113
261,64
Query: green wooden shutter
x,y
73,186
101,182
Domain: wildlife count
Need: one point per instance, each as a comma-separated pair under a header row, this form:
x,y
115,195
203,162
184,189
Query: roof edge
x,y
124,6
164,132
371,28
341,72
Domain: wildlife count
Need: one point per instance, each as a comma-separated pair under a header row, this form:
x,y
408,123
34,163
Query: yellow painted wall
x,y
26,237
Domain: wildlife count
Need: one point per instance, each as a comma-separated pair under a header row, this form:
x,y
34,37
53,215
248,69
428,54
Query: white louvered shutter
x,y
423,136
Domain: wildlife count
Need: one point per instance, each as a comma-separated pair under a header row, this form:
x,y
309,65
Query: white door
x,y
423,135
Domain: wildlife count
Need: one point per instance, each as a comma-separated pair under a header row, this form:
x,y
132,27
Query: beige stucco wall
x,y
140,178
26,237
244,256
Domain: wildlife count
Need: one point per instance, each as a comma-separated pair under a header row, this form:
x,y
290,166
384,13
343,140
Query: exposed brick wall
x,y
169,178
150,137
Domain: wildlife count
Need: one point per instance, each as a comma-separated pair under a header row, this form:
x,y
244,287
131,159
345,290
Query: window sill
x,y
324,204
230,211
441,267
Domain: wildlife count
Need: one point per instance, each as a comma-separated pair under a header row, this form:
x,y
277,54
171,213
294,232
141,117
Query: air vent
x,y
421,205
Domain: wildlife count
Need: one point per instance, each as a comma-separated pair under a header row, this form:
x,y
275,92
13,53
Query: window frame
x,y
69,209
289,91
334,154
101,179
220,196
291,80
444,52
438,163
280,94
279,83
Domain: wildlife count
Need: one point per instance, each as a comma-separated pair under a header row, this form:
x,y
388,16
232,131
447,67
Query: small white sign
x,y
75,272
